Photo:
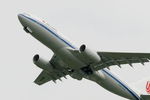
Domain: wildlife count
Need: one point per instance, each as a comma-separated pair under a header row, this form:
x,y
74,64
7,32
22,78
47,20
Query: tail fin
x,y
145,97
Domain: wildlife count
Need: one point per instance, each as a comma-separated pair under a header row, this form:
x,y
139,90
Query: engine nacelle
x,y
89,55
42,63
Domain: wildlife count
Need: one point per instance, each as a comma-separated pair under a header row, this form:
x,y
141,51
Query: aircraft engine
x,y
42,63
89,55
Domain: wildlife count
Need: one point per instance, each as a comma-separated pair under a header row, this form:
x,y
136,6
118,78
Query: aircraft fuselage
x,y
46,35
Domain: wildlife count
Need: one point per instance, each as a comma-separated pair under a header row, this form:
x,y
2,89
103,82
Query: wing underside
x,y
56,74
45,77
117,58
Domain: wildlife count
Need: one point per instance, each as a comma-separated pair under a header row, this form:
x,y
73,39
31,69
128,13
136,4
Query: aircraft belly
x,y
112,85
72,61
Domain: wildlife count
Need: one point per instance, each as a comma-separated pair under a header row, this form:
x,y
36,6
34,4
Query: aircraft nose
x,y
20,17
25,22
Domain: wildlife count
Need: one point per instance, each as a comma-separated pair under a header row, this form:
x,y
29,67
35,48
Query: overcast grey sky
x,y
104,25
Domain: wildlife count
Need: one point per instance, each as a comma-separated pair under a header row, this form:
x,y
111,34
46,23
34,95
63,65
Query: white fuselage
x,y
45,34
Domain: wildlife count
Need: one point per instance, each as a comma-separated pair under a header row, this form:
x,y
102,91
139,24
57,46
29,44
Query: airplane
x,y
79,62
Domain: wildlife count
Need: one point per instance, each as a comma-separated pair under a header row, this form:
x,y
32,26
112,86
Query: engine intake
x,y
36,58
82,48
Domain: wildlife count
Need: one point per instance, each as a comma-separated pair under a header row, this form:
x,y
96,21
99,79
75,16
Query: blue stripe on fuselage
x,y
123,85
108,73
50,31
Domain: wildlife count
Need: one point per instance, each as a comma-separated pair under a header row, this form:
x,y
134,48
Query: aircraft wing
x,y
43,78
118,58
55,74
46,76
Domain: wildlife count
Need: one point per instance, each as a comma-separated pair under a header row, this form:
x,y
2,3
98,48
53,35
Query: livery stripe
x,y
50,31
123,85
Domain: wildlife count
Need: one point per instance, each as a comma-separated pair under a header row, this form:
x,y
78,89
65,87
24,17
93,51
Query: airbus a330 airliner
x,y
79,62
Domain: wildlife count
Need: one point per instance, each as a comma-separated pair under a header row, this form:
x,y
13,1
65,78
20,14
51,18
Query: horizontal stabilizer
x,y
145,97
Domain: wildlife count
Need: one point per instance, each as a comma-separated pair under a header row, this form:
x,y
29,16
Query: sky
x,y
103,25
